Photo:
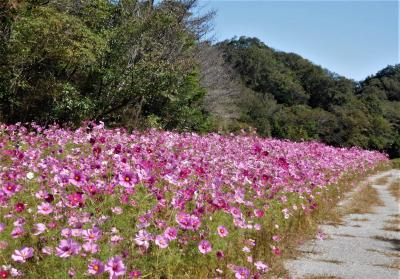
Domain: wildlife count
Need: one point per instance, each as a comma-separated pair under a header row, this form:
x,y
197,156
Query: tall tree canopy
x,y
128,62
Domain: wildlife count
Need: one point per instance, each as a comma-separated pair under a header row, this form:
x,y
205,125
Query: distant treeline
x,y
140,64
286,96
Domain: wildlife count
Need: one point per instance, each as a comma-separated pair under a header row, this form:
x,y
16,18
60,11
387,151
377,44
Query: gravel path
x,y
355,249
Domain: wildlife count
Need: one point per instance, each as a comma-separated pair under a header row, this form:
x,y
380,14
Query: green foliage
x,y
287,96
128,63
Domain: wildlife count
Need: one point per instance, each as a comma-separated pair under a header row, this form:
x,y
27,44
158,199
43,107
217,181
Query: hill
x,y
286,96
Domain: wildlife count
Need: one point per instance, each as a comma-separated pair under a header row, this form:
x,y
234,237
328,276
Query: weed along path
x,y
366,244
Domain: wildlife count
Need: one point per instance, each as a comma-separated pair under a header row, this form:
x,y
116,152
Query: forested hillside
x,y
286,96
145,64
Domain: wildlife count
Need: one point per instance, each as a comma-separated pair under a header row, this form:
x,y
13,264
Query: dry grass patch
x,y
392,225
394,189
387,254
383,180
363,201
394,241
360,219
392,228
393,265
330,261
345,235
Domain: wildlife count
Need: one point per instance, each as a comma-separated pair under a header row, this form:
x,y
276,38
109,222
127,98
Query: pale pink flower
x,y
45,208
261,266
161,241
22,255
39,228
222,231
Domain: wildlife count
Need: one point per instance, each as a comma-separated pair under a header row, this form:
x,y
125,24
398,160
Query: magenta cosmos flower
x,y
222,231
22,255
205,247
115,267
10,188
171,233
95,267
128,179
135,273
75,199
68,248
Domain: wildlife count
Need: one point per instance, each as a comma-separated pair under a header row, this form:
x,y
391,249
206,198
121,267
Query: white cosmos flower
x,y
30,175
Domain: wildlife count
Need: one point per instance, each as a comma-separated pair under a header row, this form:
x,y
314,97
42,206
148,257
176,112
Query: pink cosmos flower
x,y
276,251
261,266
220,254
47,250
321,235
142,238
161,241
22,255
128,179
276,238
91,235
91,247
68,248
75,199
4,273
95,267
39,228
135,273
222,231
11,188
187,221
259,213
77,178
117,210
66,232
45,208
19,207
241,273
235,212
115,267
2,227
171,233
17,232
204,247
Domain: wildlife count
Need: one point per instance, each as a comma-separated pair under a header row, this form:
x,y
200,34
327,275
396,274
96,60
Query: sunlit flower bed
x,y
97,202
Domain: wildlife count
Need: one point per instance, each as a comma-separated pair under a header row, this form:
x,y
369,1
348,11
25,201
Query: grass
x,y
394,241
363,201
388,254
360,219
396,163
393,224
330,261
383,180
394,265
394,189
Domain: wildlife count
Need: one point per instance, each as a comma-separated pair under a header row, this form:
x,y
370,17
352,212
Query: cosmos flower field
x,y
104,203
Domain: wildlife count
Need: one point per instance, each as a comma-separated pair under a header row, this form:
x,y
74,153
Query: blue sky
x,y
351,38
